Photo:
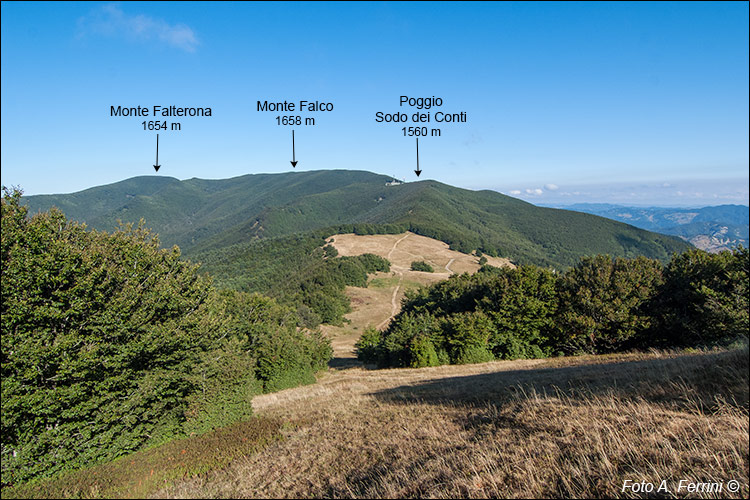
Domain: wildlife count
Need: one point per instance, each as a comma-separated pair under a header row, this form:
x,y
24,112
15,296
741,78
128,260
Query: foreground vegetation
x,y
111,344
601,305
554,428
145,472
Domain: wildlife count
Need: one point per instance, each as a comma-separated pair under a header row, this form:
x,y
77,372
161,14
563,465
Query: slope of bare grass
x,y
565,427
403,249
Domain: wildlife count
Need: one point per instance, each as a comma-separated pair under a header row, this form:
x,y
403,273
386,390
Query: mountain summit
x,y
200,215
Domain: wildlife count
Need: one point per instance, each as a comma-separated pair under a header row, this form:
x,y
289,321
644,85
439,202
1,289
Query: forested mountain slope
x,y
206,216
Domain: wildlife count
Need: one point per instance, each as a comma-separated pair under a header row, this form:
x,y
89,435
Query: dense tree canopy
x,y
110,343
602,304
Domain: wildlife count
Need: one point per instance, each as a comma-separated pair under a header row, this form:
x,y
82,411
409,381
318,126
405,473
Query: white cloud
x,y
110,20
535,192
515,191
551,187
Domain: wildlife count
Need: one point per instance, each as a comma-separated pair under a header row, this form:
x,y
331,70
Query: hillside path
x,y
448,266
394,296
396,243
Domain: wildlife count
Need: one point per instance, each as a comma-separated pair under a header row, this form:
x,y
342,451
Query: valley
x,y
712,229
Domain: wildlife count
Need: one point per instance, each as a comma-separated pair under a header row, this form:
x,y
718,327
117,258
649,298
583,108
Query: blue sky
x,y
634,103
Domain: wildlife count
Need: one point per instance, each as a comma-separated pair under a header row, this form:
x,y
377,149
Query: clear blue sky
x,y
643,103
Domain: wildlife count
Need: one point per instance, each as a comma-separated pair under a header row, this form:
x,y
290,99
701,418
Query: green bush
x,y
422,353
498,313
284,355
603,304
420,265
368,347
100,334
472,354
466,334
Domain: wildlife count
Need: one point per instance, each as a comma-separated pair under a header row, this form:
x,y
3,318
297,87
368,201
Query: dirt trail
x,y
394,296
395,244
394,302
448,266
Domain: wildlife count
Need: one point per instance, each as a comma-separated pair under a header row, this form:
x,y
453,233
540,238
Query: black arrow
x,y
294,159
417,171
157,166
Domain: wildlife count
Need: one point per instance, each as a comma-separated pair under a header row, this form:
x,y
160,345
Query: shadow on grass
x,y
491,403
703,377
344,363
349,363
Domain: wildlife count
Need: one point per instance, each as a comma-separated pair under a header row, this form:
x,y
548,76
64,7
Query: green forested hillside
x,y
203,217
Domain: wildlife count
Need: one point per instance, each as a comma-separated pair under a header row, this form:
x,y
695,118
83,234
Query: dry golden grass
x,y
564,427
402,249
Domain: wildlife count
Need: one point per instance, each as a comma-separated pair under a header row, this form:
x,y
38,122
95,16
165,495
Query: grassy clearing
x,y
564,427
392,282
140,474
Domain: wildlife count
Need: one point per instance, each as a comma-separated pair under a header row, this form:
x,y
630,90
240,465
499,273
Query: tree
x,y
111,343
420,265
99,335
603,303
704,299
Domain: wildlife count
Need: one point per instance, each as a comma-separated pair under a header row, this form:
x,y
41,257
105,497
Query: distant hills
x,y
710,228
205,216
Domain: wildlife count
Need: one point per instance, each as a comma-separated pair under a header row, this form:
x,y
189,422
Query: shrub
x,y
422,353
521,303
396,343
284,356
497,313
111,344
466,335
420,265
368,346
472,354
100,334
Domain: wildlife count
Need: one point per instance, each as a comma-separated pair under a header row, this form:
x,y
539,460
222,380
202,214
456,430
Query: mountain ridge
x,y
205,215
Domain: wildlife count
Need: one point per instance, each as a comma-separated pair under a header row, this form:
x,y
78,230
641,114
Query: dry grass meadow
x,y
564,427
